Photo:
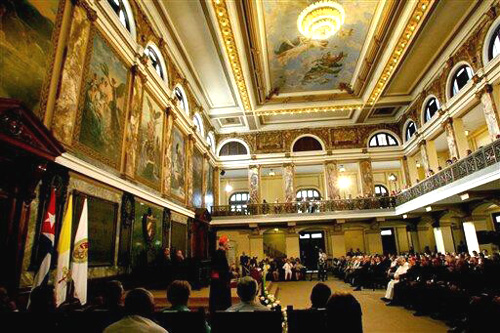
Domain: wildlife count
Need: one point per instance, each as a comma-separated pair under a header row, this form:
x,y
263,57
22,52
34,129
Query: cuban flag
x,y
46,246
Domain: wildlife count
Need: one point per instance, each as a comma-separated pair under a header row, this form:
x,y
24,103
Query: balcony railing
x,y
306,207
482,158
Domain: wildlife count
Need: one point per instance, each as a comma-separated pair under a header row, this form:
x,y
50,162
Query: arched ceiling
x,y
256,72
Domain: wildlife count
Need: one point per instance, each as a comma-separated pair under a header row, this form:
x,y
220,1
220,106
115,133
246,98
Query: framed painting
x,y
103,217
149,160
178,169
101,118
30,33
147,234
209,180
197,178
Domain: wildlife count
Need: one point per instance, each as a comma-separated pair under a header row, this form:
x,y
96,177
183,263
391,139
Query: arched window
x,y
156,60
211,141
494,48
120,9
238,201
381,190
307,143
382,140
431,108
199,124
411,128
462,75
308,194
180,96
233,148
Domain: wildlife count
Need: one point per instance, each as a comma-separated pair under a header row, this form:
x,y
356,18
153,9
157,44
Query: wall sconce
x,y
272,173
392,177
228,188
341,168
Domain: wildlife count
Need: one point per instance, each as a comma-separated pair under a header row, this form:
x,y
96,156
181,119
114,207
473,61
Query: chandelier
x,y
321,19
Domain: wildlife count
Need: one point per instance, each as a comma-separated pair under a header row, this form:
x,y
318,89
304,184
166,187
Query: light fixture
x,y
272,173
392,177
428,208
405,216
464,196
228,188
344,182
276,229
341,168
466,133
321,19
418,164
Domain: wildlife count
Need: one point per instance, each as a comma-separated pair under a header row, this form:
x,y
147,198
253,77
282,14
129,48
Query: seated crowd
x,y
461,289
135,310
273,269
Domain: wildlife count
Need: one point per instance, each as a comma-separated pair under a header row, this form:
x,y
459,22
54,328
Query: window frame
x,y
308,197
238,205
494,39
127,20
156,60
427,112
182,102
198,121
387,136
381,193
454,88
407,135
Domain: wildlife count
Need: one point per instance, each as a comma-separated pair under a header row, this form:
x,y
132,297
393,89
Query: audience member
x,y
344,314
320,295
139,308
42,300
247,291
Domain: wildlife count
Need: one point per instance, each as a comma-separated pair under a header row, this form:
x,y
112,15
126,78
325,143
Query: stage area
x,y
377,317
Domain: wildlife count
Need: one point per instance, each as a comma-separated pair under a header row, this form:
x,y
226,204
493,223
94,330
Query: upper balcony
x,y
482,168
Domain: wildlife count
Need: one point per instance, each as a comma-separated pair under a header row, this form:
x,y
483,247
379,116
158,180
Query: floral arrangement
x,y
270,301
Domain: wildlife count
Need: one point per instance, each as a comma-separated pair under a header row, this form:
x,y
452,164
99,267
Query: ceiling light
x,y
321,19
428,208
344,182
228,188
341,168
418,164
405,216
464,196
272,173
466,133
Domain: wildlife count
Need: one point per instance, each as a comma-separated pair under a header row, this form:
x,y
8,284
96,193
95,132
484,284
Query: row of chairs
x,y
173,322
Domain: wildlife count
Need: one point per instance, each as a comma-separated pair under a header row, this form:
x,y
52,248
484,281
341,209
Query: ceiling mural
x,y
298,64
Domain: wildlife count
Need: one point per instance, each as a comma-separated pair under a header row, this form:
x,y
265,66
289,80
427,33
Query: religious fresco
x,y
132,130
27,45
197,178
102,220
146,234
150,141
254,178
178,165
269,141
299,64
331,173
367,185
102,115
288,176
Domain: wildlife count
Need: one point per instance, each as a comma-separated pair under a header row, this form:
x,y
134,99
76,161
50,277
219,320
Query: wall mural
x,y
209,181
197,178
150,141
102,115
178,169
299,64
27,43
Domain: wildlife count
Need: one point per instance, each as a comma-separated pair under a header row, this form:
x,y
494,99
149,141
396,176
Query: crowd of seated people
x,y
459,288
273,269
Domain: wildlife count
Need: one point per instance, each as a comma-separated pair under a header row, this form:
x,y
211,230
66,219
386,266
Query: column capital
x,y
330,162
290,164
422,142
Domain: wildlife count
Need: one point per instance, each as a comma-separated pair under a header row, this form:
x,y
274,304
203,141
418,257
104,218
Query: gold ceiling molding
x,y
226,31
417,18
351,107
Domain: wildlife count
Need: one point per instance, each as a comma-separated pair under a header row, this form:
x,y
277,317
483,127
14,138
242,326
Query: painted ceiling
x,y
297,64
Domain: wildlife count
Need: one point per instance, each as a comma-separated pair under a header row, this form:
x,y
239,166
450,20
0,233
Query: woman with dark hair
x,y
344,314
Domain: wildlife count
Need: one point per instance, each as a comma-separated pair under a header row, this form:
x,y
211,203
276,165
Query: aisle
x,y
376,316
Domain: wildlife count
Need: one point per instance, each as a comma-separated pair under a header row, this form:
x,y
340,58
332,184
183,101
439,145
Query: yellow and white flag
x,y
80,255
63,250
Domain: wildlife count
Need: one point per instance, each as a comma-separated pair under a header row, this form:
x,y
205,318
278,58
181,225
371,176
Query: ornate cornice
x,y
226,31
414,23
310,110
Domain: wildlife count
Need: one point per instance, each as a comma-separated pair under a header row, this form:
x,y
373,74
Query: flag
x,y
63,250
46,244
79,256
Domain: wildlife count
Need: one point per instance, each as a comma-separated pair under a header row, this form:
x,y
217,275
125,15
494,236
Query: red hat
x,y
223,240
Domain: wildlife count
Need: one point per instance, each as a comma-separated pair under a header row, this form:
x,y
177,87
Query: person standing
x,y
220,285
287,267
322,258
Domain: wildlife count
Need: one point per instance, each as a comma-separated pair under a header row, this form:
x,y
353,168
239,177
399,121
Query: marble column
x,y
167,155
450,138
331,177
72,77
490,111
374,240
288,182
432,155
132,127
254,183
471,236
412,231
424,157
365,168
444,231
216,186
189,169
406,171
460,137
